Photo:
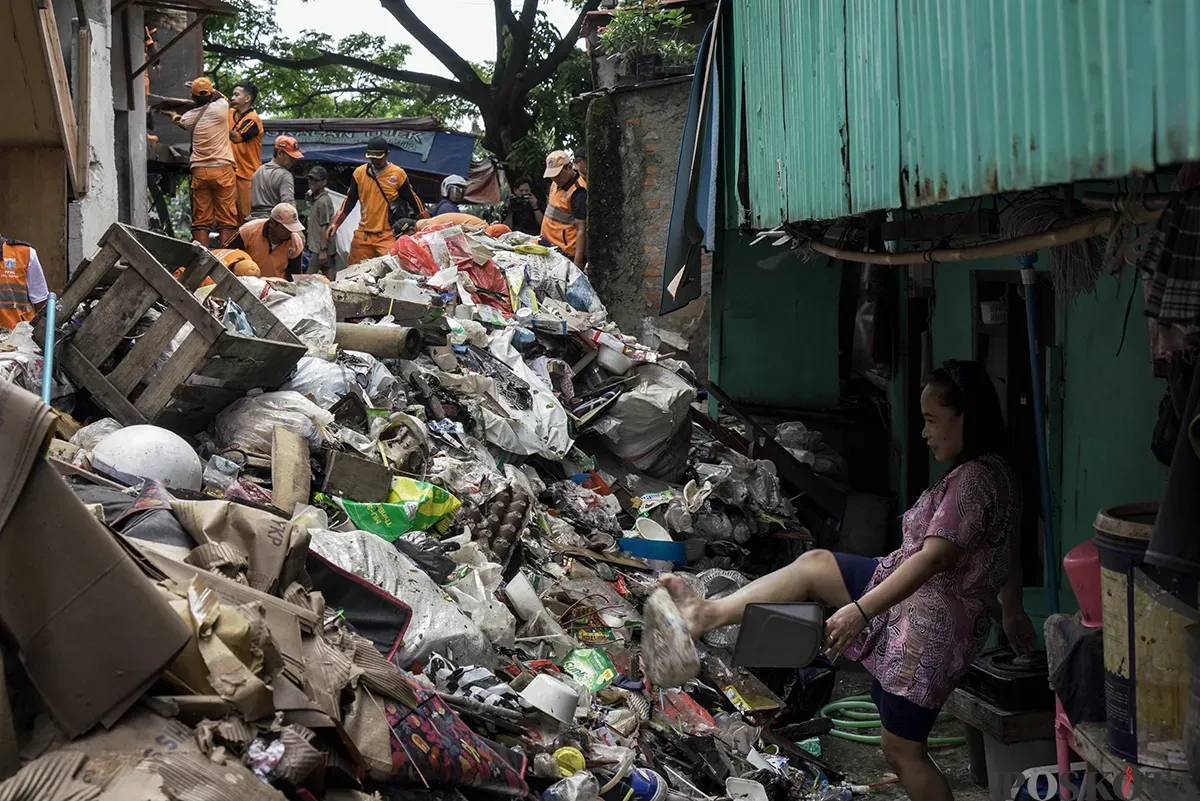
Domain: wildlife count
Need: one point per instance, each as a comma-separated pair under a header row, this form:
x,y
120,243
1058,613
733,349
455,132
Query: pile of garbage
x,y
422,563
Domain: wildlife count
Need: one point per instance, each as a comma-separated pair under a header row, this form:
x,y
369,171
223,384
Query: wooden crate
x,y
210,369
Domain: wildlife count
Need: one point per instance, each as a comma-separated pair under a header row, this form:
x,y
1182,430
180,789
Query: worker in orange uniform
x,y
275,244
386,197
246,135
564,224
214,185
23,289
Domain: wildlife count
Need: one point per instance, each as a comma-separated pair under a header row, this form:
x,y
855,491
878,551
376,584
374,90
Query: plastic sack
x,y
88,437
541,429
653,431
322,381
413,255
306,308
248,423
437,624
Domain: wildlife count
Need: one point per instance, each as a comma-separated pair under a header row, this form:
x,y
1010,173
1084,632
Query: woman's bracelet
x,y
866,617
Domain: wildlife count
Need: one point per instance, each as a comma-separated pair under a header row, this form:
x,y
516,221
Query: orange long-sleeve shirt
x,y
246,136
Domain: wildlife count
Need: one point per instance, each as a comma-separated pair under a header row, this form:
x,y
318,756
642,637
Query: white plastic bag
x,y
323,381
306,307
90,435
249,423
21,359
653,430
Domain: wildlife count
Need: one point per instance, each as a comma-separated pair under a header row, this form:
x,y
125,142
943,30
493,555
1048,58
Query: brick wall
x,y
634,136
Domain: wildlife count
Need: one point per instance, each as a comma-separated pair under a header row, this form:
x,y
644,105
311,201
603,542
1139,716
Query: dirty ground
x,y
865,763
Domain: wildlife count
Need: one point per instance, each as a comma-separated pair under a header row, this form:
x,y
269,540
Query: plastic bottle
x,y
580,787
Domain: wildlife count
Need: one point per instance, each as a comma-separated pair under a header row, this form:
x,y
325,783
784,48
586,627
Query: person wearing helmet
x,y
454,188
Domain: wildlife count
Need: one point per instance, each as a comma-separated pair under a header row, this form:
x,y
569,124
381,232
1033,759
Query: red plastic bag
x,y
414,255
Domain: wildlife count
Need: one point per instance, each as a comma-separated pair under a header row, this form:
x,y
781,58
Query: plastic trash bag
x,y
306,308
248,424
411,506
437,624
323,381
21,359
492,617
88,437
653,431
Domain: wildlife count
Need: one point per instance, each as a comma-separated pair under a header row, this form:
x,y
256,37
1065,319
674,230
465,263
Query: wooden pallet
x,y
210,369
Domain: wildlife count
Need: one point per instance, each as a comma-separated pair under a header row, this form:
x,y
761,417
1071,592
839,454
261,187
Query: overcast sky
x,y
466,25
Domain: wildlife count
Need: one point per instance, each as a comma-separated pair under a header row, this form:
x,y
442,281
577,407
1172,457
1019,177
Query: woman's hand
x,y
1018,628
842,629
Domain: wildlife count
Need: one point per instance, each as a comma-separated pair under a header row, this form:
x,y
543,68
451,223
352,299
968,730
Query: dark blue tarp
x,y
693,210
449,155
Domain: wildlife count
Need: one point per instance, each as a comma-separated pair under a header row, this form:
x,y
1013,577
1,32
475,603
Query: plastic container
x,y
650,530
614,361
655,550
522,597
1146,667
1082,566
549,695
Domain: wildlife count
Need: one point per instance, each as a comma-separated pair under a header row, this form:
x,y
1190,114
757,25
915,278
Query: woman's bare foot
x,y
700,615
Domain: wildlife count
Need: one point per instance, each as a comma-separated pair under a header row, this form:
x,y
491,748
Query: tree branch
x,y
327,59
468,79
542,71
379,92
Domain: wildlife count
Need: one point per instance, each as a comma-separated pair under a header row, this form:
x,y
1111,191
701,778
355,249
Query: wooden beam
x,y
83,114
64,108
162,51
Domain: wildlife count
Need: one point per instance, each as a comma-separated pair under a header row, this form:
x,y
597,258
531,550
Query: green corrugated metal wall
x,y
857,105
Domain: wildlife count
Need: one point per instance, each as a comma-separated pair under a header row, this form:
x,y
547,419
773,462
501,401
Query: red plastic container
x,y
1082,566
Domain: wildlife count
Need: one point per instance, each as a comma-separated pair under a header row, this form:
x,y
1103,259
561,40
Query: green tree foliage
x,y
521,96
333,90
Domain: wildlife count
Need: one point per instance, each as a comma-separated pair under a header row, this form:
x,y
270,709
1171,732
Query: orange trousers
x,y
369,245
243,199
214,202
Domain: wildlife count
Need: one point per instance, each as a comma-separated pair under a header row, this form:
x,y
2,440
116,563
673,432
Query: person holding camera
x,y
523,212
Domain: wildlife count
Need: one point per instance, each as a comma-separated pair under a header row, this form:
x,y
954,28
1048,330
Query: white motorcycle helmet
x,y
138,453
452,181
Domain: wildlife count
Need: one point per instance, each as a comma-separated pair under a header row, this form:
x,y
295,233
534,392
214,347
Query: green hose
x,y
858,712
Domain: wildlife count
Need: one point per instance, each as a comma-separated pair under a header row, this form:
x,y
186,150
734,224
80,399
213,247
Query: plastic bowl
x,y
549,695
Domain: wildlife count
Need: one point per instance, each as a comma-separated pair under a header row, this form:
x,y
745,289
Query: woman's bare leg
x,y
814,575
920,778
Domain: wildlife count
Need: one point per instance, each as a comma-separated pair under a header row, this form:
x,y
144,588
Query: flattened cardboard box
x,y
92,630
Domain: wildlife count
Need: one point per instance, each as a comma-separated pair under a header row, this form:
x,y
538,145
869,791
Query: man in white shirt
x,y
23,290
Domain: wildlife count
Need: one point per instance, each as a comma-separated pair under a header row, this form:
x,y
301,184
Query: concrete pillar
x,y
89,216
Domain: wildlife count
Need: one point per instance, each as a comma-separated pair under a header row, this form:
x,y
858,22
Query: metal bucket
x,y
1145,657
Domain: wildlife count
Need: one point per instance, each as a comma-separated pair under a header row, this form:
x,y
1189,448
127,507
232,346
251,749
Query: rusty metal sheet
x,y
1013,94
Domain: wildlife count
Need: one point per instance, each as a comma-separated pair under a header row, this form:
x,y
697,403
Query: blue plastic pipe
x,y
1029,281
48,347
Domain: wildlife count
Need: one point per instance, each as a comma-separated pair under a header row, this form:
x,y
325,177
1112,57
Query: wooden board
x,y
114,317
82,371
150,345
1006,727
1147,784
291,476
33,203
52,53
356,478
179,367
30,114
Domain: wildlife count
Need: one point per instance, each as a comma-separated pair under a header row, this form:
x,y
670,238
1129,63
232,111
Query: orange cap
x,y
286,214
556,162
289,145
201,87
